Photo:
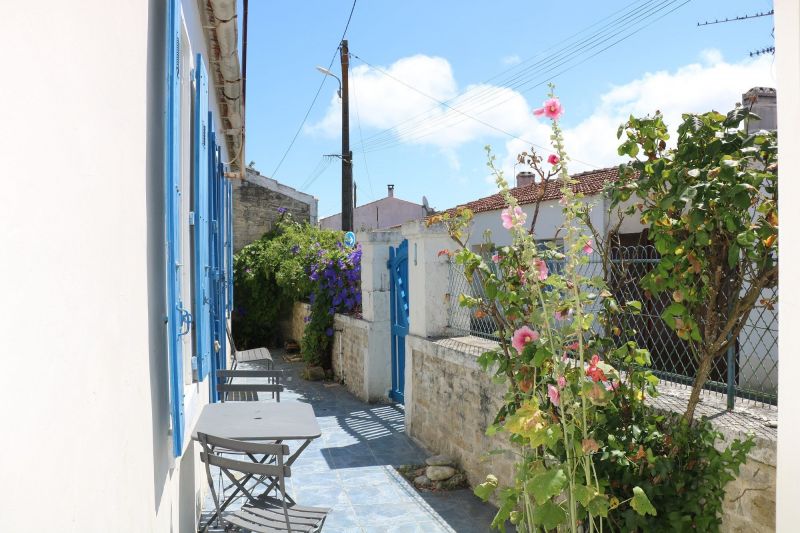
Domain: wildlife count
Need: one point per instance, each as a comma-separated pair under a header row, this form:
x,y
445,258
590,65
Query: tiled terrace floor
x,y
350,468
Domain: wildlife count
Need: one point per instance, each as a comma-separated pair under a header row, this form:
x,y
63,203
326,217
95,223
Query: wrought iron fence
x,y
748,373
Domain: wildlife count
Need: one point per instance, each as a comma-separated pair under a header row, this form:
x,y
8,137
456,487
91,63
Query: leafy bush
x,y
272,273
675,463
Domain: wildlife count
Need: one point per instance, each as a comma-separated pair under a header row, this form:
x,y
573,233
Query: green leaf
x,y
584,494
641,503
733,255
487,488
547,484
542,354
599,505
549,515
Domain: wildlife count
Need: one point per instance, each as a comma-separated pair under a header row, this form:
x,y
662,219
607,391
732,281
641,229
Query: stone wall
x,y
750,498
256,200
349,351
350,343
454,401
294,327
450,401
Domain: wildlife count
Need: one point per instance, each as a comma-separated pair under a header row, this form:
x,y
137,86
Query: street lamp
x,y
332,75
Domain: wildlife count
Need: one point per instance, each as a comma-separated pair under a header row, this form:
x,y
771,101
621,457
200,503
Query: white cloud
x,y
511,60
698,87
382,102
711,83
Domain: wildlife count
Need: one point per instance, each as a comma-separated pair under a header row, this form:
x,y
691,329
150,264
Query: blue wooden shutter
x,y
172,209
229,243
202,268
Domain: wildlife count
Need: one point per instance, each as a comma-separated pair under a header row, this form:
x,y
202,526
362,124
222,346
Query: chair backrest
x,y
271,384
213,450
230,340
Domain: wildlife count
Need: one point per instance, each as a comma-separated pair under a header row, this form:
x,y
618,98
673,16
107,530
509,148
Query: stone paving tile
x,y
350,468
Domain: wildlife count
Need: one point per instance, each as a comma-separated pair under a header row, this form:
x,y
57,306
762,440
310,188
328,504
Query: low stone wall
x,y
350,343
349,352
450,401
294,327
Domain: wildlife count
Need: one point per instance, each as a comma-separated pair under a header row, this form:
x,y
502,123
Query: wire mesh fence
x,y
748,372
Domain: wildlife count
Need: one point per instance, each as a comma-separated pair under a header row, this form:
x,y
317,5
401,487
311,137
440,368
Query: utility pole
x,y
347,155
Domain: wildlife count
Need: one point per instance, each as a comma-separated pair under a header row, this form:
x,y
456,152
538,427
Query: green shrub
x,y
675,463
272,273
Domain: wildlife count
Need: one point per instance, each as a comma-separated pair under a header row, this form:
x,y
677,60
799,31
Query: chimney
x,y
391,191
763,102
525,178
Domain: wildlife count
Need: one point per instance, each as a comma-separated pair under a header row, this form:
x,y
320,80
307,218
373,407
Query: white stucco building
x,y
130,113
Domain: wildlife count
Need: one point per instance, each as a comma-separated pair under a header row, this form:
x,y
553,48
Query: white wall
x,y
381,214
86,416
787,61
547,224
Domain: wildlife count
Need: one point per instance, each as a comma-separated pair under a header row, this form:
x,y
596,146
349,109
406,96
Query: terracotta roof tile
x,y
588,183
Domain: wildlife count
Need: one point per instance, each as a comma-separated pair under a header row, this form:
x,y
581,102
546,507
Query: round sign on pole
x,y
350,239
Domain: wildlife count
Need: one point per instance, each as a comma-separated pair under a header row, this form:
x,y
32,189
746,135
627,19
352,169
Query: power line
x,y
396,130
501,130
572,48
323,165
361,139
392,136
316,95
433,128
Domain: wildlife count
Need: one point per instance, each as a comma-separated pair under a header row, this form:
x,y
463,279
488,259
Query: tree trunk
x,y
703,370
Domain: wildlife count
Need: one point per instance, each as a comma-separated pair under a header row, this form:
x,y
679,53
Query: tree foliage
x,y
710,206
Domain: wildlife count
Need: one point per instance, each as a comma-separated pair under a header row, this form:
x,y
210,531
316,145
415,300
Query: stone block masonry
x,y
256,201
349,349
453,401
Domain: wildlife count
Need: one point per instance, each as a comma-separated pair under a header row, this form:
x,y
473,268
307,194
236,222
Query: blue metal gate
x,y
398,303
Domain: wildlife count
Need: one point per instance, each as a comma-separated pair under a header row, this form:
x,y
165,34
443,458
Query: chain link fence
x,y
748,373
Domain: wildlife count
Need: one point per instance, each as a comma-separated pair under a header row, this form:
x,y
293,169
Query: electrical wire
x,y
476,119
420,129
361,139
520,69
316,95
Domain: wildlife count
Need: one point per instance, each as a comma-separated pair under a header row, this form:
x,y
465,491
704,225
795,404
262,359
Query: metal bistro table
x,y
260,421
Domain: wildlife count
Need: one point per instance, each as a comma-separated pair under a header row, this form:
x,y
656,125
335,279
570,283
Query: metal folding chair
x,y
260,513
254,354
228,390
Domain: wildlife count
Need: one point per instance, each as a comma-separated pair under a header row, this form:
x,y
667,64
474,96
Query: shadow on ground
x,y
350,468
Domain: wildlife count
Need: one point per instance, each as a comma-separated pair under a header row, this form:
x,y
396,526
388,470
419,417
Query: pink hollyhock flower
x,y
541,267
573,346
551,108
593,372
612,385
554,394
511,218
553,159
523,336
562,382
587,248
496,258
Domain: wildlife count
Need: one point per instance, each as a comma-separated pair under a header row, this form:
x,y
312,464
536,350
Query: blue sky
x,y
487,60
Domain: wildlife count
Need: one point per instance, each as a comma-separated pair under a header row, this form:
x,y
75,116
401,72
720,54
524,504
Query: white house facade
x,y
117,250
